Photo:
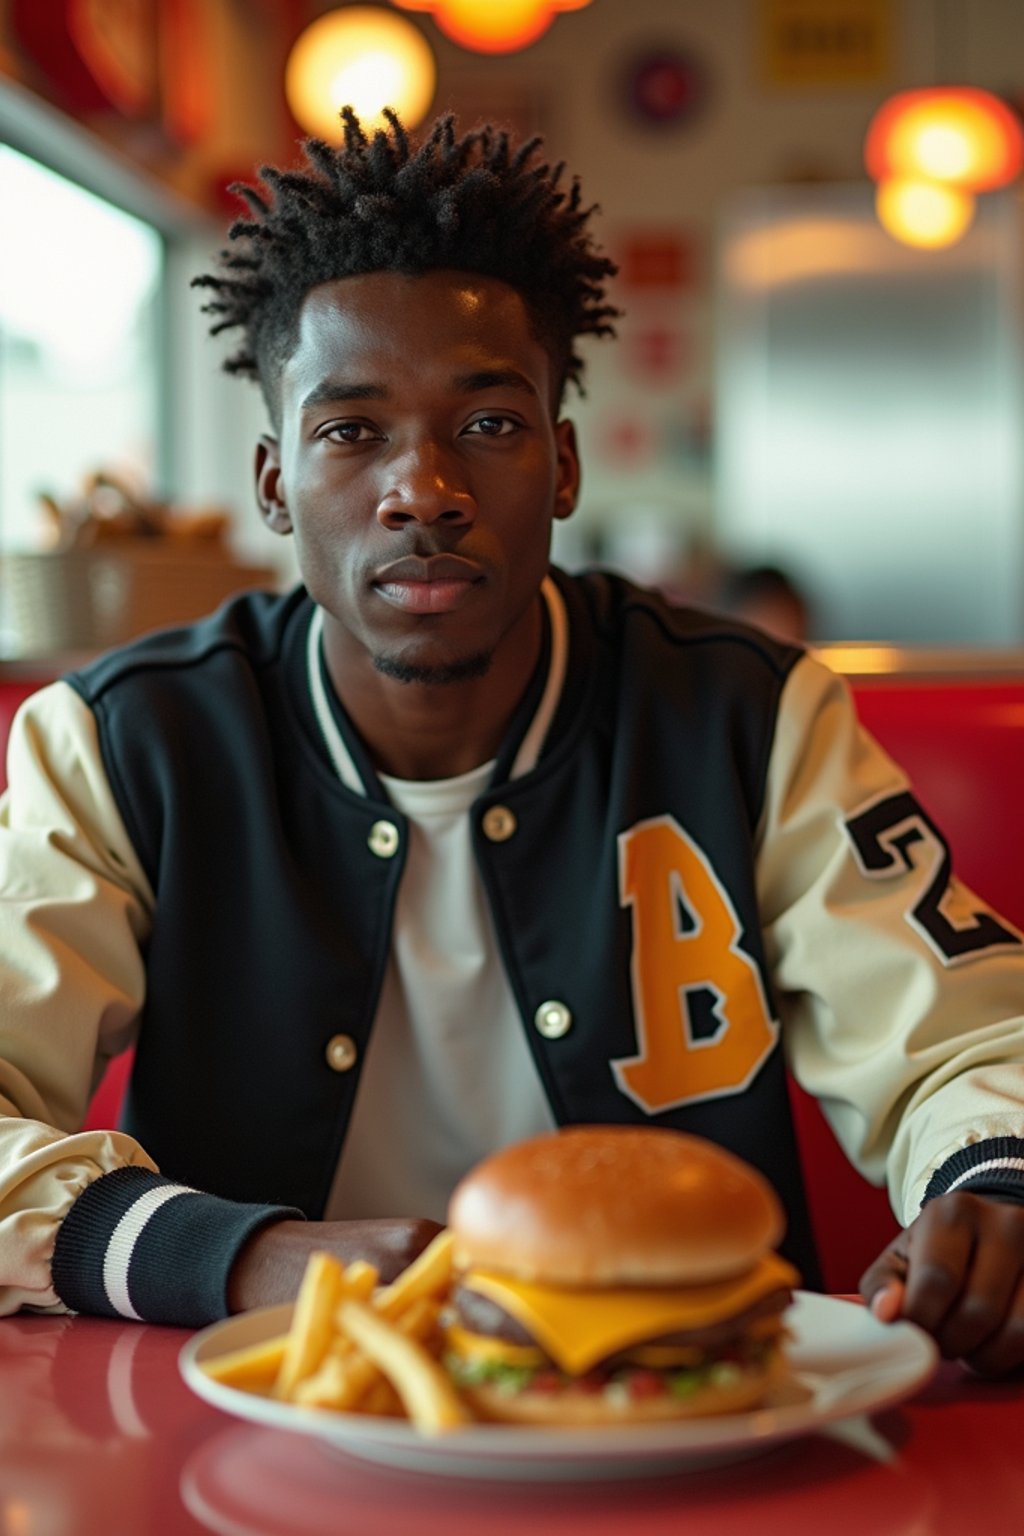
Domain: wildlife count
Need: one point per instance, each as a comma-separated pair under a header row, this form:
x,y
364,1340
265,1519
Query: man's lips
x,y
430,584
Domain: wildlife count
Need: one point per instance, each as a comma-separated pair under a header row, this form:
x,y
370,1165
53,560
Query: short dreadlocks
x,y
380,204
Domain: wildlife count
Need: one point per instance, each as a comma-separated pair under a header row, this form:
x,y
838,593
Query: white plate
x,y
844,1362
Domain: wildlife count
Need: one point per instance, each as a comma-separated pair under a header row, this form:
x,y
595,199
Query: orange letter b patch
x,y
686,952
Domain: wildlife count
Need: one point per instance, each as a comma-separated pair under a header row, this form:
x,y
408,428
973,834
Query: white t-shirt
x,y
448,1074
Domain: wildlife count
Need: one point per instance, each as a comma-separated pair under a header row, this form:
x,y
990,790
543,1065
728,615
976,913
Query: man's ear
x,y
567,473
270,492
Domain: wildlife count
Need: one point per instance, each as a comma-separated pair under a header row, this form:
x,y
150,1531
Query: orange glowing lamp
x,y
958,136
361,56
493,26
925,214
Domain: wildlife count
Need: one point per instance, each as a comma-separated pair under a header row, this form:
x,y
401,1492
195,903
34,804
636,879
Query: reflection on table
x,y
98,1434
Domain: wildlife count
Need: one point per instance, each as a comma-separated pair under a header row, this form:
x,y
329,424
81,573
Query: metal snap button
x,y
383,839
341,1053
552,1020
499,823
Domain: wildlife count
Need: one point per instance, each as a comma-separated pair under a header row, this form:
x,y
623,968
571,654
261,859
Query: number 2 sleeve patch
x,y
893,836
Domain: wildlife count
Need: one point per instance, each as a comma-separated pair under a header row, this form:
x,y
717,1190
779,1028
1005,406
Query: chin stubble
x,y
461,671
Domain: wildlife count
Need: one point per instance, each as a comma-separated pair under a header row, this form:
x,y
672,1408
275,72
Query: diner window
x,y
81,367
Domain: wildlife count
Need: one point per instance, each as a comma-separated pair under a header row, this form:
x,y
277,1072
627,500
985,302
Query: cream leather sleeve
x,y
912,1055
75,908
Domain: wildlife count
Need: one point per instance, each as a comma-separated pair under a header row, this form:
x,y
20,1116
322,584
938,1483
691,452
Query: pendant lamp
x,y
931,151
361,56
493,26
957,135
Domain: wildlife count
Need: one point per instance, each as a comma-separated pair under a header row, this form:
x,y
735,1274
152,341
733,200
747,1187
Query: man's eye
x,y
350,432
493,426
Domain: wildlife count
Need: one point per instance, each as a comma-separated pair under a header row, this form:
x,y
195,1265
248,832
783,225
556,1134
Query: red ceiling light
x,y
958,136
493,26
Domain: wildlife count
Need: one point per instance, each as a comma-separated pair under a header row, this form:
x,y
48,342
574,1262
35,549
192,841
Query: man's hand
x,y
957,1271
270,1266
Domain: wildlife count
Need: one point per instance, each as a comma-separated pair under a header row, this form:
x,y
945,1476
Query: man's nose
x,y
426,485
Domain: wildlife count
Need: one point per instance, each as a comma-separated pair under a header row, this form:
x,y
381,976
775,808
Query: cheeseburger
x,y
615,1273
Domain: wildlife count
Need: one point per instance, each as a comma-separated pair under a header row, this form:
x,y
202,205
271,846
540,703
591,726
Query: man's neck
x,y
437,731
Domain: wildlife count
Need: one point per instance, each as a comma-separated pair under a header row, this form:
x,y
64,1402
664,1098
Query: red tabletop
x,y
99,1436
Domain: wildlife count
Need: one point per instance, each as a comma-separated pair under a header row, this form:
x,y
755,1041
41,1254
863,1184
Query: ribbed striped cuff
x,y
992,1167
137,1245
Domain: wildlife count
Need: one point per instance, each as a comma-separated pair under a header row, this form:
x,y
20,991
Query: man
x,y
764,595
447,848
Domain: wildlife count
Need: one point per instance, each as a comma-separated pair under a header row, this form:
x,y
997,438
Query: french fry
x,y
347,1375
253,1369
354,1347
358,1280
339,1382
257,1367
419,1319
312,1322
383,1400
428,1275
425,1390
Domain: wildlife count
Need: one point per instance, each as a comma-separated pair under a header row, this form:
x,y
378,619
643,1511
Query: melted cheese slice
x,y
579,1327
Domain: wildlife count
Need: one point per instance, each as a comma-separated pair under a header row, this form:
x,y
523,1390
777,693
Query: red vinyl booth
x,y
960,735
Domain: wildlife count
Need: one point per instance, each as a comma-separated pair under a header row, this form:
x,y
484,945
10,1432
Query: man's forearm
x,y
269,1266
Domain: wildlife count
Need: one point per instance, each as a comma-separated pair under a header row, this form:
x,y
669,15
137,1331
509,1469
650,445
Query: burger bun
x,y
600,1206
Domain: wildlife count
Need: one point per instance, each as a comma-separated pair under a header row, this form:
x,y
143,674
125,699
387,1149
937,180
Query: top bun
x,y
614,1205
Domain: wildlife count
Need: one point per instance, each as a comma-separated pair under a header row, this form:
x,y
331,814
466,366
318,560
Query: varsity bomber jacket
x,y
710,871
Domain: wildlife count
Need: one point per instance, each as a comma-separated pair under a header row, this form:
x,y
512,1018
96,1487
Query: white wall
x,y
217,418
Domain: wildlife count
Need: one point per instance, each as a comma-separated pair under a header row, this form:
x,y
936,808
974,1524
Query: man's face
x,y
419,468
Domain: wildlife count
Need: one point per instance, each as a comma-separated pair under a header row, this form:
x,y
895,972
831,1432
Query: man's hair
x,y
382,204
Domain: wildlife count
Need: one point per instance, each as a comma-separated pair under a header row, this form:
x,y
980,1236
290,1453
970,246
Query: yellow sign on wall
x,y
824,42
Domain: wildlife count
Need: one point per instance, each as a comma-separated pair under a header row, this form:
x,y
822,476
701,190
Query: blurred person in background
x,y
764,595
